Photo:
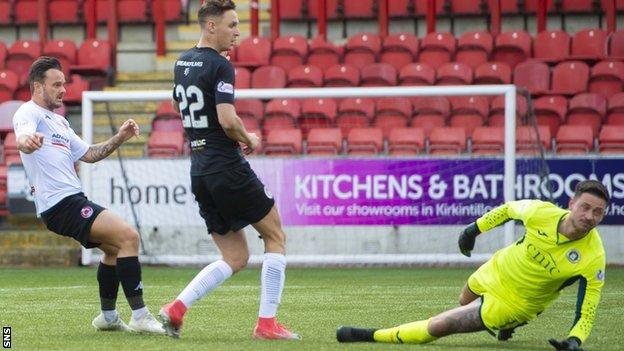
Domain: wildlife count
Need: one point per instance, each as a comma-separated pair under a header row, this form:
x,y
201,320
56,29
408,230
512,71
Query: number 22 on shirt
x,y
191,120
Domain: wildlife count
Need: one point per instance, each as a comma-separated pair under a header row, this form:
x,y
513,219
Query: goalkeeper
x,y
513,287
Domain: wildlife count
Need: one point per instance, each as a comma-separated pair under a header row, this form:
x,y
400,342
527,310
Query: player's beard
x,y
50,102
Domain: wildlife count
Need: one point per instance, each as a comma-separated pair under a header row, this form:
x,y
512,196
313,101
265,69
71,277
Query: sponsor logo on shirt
x,y
59,140
198,144
189,63
600,275
573,256
86,212
268,193
224,87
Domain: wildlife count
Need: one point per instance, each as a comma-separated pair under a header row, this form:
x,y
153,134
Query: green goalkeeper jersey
x,y
533,271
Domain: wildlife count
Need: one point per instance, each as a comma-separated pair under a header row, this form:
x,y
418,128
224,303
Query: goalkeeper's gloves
x,y
467,238
569,344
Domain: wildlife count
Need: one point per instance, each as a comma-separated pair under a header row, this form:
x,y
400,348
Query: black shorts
x,y
73,217
232,199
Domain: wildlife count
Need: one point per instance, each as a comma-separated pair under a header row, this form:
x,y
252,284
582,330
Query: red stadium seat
x,y
9,81
492,73
421,7
607,78
64,11
11,153
430,112
362,49
289,52
467,7
242,78
25,12
6,11
249,108
253,52
74,89
454,73
579,6
497,111
587,109
331,9
509,7
281,114
512,48
3,54
364,141
355,113
400,8
615,109
533,75
550,111
378,74
323,54
168,125
342,76
359,9
94,58
468,112
447,141
529,139
530,6
574,140
268,77
474,48
283,142
317,113
173,10
324,141
166,110
399,49
292,9
551,46
417,74
392,112
570,77
64,50
611,140
589,44
305,77
437,49
616,45
406,141
165,144
488,140
21,55
128,11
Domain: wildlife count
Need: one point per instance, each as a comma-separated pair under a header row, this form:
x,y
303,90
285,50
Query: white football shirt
x,y
50,169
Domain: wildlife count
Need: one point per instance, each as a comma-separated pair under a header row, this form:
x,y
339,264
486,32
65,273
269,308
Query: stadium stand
x,y
399,49
417,74
362,49
354,113
551,46
64,50
497,111
587,109
324,141
615,109
11,154
437,49
616,45
242,78
64,11
532,75
607,78
289,52
281,114
454,73
550,111
9,82
392,112
406,141
317,113
324,54
365,141
488,140
253,52
474,48
468,112
569,78
430,112
512,47
283,142
589,45
529,138
305,76
611,140
492,73
165,144
268,77
447,141
378,74
3,54
574,140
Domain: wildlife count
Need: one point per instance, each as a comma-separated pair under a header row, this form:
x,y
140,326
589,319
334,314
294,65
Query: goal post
x,y
90,98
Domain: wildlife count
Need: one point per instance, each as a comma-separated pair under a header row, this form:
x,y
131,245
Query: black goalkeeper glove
x,y
569,344
467,238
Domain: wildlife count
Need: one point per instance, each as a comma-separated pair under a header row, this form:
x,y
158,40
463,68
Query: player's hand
x,y
467,238
30,143
254,141
569,344
128,129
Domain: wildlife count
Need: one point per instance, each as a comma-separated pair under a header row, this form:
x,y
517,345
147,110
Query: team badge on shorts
x,y
268,193
600,275
573,256
86,212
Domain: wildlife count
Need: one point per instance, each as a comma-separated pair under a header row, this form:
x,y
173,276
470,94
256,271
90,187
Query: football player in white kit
x,y
49,148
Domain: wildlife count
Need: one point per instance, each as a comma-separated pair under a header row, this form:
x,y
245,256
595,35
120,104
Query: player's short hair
x,y
39,68
593,187
214,8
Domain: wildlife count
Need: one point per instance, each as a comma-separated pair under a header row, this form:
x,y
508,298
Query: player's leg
x,y
272,278
108,283
111,231
463,319
233,247
467,296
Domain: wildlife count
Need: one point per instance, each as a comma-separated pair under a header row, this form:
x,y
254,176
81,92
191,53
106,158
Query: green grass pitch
x,y
52,309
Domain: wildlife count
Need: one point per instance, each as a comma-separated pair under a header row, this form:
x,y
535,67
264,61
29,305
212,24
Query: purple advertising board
x,y
421,191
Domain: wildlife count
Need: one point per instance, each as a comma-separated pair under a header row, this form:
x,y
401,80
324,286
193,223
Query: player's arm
x,y
234,127
101,150
492,219
26,135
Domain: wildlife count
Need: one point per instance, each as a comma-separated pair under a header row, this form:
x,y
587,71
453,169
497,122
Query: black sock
x,y
129,274
109,286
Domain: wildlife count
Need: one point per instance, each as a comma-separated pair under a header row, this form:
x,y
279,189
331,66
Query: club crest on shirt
x,y
224,87
86,212
573,256
600,275
268,193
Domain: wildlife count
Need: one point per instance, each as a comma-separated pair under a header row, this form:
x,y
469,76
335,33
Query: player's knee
x,y
238,263
129,238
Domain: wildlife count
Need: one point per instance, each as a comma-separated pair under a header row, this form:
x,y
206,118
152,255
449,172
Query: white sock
x,y
110,316
139,313
205,281
271,284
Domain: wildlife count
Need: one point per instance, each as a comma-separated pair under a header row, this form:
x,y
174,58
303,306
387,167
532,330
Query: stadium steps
x,y
37,248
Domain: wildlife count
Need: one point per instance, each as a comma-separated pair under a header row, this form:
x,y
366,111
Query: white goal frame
x,y
509,91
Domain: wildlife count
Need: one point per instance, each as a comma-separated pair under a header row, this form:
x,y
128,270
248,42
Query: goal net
x,y
336,210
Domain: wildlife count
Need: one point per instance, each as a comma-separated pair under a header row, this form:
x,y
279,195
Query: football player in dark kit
x,y
229,194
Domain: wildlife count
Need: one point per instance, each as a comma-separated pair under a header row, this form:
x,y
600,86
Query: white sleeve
x,y
25,123
78,146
